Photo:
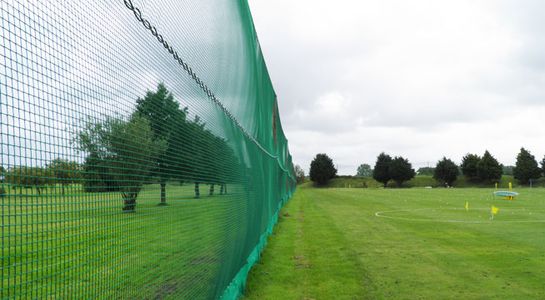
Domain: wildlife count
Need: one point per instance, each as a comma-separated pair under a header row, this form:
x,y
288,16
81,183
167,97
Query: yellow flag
x,y
494,210
467,206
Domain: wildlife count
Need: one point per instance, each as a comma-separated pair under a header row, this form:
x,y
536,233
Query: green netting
x,y
142,154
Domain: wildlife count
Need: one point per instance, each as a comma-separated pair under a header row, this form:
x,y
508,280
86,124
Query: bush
x,y
322,169
381,171
401,170
446,171
526,168
489,169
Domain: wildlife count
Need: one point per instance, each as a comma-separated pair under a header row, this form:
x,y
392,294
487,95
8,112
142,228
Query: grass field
x,y
404,244
82,246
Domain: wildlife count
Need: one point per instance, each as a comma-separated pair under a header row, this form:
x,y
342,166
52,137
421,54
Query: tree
x,y
543,166
299,174
2,173
28,177
489,169
64,171
469,167
446,171
198,153
400,170
167,122
322,169
364,170
508,170
429,171
125,150
526,167
381,171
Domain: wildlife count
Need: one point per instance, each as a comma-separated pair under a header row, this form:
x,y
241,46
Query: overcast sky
x,y
420,79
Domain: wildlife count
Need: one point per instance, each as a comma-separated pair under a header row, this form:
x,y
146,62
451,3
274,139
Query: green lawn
x,y
330,244
81,245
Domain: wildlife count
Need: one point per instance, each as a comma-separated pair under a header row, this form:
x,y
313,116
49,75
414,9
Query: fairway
x,y
405,244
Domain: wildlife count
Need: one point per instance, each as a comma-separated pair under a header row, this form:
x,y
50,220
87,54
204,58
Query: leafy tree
x,y
526,167
364,170
96,175
381,171
426,171
28,177
322,169
64,171
469,167
198,153
446,171
299,174
489,169
125,150
508,170
227,164
15,177
2,178
400,170
168,123
543,166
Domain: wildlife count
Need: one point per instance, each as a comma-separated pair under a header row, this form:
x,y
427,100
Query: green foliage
x,y
400,170
353,182
469,167
28,177
322,169
543,166
420,181
2,173
429,171
168,124
526,167
508,170
488,168
364,170
64,172
182,149
381,171
299,174
124,152
446,171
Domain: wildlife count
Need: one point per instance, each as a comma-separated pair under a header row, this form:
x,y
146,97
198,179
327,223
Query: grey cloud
x,y
421,79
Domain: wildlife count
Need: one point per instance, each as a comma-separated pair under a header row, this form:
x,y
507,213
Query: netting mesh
x,y
142,154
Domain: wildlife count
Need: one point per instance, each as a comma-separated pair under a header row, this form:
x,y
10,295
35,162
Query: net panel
x,y
142,153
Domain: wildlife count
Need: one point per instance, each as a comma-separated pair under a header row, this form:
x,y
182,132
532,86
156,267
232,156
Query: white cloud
x,y
422,79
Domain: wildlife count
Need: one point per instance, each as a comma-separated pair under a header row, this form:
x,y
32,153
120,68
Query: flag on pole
x,y
467,206
493,211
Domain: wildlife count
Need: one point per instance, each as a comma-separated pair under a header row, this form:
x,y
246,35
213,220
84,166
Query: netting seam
x,y
146,23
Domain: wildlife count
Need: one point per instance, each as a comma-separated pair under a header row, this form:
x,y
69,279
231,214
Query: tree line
x,y
475,168
155,144
59,171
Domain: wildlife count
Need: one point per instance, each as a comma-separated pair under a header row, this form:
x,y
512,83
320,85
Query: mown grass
x,y
81,245
329,244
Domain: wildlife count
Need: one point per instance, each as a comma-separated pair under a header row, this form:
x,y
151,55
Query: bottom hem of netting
x,y
236,288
